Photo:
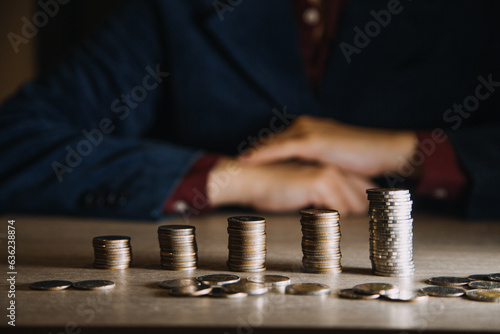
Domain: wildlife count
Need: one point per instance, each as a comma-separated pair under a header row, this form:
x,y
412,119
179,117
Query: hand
x,y
364,151
287,187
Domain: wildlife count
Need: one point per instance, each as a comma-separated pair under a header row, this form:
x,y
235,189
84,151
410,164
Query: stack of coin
x,y
112,252
321,241
178,249
391,232
247,243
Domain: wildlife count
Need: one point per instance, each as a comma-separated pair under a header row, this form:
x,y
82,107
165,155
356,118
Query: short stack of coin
x,y
112,252
391,232
321,241
247,243
178,248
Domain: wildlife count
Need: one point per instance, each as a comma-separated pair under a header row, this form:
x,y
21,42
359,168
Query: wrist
x,y
405,146
224,183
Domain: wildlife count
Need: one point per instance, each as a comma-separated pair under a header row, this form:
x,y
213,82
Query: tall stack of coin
x,y
391,232
178,249
247,243
321,241
112,252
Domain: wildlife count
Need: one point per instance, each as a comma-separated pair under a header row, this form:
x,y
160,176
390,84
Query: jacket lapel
x,y
260,38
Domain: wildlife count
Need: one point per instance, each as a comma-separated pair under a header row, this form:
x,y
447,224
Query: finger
x,y
275,151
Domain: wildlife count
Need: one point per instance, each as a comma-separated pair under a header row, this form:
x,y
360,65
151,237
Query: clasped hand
x,y
315,162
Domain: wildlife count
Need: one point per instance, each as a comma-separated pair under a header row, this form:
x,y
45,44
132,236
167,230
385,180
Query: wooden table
x,y
61,248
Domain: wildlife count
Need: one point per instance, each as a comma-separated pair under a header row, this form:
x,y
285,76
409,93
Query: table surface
x,y
61,248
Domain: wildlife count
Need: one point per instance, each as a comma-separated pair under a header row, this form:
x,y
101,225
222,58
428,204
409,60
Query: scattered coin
x,y
177,283
270,280
479,277
449,281
408,296
112,252
178,248
492,296
488,285
246,243
218,292
321,241
308,289
350,294
252,289
218,279
391,232
191,290
382,289
94,285
494,277
443,291
53,285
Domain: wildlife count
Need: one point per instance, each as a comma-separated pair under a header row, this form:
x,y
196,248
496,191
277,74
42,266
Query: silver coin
x,y
387,191
350,294
408,296
53,285
270,280
376,288
488,285
308,289
177,283
479,277
443,291
494,277
449,281
218,292
94,285
218,279
191,290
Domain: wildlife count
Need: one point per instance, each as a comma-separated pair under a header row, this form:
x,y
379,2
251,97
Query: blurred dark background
x,y
74,21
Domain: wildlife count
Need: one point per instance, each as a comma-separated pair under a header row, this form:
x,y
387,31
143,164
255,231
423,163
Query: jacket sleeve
x,y
71,140
478,149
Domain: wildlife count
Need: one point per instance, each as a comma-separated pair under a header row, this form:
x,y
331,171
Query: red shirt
x,y
441,175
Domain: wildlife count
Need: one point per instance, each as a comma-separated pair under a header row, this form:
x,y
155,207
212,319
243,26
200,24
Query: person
x,y
183,106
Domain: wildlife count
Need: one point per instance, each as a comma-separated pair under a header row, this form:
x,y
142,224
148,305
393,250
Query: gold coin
x,y
492,296
312,289
350,294
376,288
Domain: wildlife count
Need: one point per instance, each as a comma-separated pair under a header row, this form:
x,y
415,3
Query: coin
x,y
178,248
350,294
449,281
176,283
270,280
391,235
321,241
494,277
218,279
408,296
112,252
484,285
492,296
94,285
246,243
218,292
53,285
252,289
443,291
308,289
376,288
479,277
191,290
